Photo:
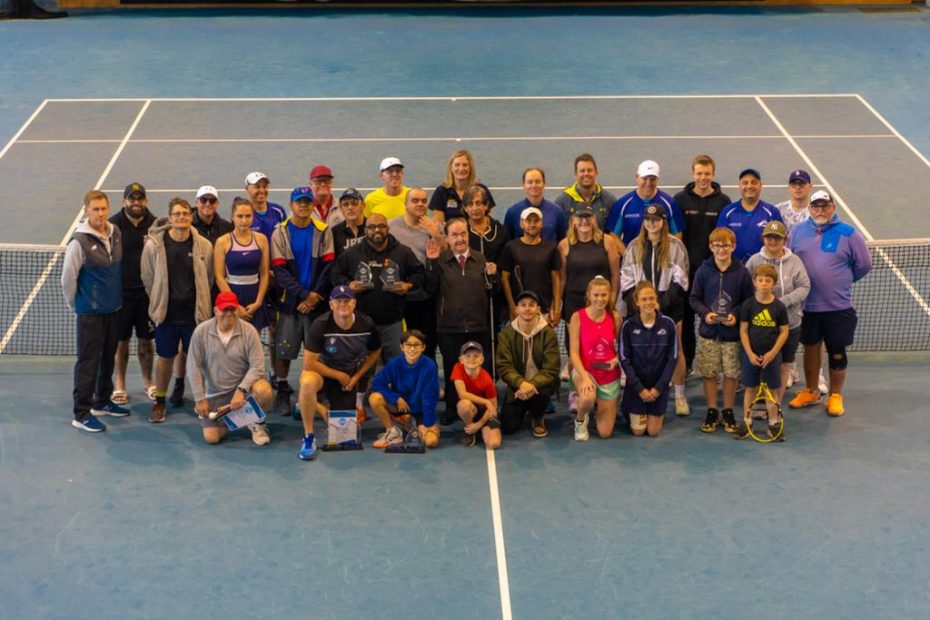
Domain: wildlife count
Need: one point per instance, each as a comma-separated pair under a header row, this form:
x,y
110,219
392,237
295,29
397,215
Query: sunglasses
x,y
207,201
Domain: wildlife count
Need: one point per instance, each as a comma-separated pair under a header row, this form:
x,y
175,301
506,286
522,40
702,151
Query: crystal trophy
x,y
721,307
390,275
602,354
363,274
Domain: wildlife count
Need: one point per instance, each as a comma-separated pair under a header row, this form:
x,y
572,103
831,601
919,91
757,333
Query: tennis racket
x,y
758,423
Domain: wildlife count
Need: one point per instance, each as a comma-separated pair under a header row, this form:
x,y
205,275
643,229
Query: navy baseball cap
x,y
751,171
471,345
300,193
342,292
351,192
653,212
799,175
527,294
134,188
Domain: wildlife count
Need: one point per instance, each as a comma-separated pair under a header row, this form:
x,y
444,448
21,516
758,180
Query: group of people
x,y
369,288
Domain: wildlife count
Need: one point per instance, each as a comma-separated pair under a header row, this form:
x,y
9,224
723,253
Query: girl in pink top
x,y
593,337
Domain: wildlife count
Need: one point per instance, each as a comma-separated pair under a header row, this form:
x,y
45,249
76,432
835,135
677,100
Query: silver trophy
x,y
363,274
721,307
390,275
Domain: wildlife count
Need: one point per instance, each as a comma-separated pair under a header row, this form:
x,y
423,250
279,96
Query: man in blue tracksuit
x,y
91,280
748,216
835,255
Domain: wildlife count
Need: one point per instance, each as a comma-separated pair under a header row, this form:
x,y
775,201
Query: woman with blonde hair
x,y
447,201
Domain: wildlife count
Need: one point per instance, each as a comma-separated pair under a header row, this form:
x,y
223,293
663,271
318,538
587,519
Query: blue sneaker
x,y
111,409
90,424
308,448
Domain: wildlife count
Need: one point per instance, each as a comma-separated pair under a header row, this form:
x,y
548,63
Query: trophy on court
x,y
602,354
390,275
363,274
721,307
342,431
412,444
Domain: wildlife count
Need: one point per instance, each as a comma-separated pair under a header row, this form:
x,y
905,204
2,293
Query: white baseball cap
x,y
530,211
648,168
388,162
255,177
821,195
207,190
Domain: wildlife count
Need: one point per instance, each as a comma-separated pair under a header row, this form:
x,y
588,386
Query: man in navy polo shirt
x,y
748,216
626,216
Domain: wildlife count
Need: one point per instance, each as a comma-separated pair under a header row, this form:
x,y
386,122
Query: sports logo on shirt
x,y
763,319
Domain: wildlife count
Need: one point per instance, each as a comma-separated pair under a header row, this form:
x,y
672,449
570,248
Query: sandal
x,y
120,397
150,392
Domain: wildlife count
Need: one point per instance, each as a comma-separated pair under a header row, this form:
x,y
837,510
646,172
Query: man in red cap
x,y
226,365
321,182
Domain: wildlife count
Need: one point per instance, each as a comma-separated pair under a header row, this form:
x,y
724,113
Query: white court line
x,y
70,141
447,98
22,129
839,200
894,131
77,220
502,578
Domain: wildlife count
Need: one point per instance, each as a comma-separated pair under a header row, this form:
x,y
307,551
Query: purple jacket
x,y
835,255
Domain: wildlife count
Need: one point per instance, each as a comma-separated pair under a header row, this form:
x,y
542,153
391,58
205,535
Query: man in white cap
x,y
626,217
388,200
210,225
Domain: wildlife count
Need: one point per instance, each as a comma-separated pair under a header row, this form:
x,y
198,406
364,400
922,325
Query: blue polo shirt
x,y
265,222
626,216
747,226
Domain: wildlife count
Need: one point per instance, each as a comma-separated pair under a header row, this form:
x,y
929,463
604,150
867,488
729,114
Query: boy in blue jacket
x,y
721,285
408,384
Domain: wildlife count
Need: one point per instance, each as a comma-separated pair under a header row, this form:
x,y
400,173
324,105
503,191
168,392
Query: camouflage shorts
x,y
714,357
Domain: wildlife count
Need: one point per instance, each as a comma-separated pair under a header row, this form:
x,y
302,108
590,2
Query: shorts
x,y
789,351
167,337
213,403
293,331
835,328
134,315
338,399
608,391
771,374
715,357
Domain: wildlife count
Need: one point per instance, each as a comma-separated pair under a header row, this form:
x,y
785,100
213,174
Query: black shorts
x,y
293,331
789,351
134,315
337,398
751,375
168,337
835,328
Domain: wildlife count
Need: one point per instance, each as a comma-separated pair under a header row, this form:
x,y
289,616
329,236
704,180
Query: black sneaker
x,y
448,417
729,422
177,395
742,432
469,440
711,421
282,402
777,433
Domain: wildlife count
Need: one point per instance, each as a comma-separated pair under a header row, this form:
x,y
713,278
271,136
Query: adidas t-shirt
x,y
764,322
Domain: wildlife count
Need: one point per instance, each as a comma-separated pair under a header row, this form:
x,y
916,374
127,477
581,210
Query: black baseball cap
x,y
525,294
134,188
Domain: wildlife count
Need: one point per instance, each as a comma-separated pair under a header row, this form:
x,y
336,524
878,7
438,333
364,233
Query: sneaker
x,y
835,405
391,437
711,421
729,421
581,429
90,424
777,433
307,450
681,406
469,440
177,395
804,398
793,377
282,403
822,384
573,402
260,436
742,431
158,413
538,426
111,409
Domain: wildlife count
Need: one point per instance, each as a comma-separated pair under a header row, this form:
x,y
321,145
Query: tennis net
x,y
892,301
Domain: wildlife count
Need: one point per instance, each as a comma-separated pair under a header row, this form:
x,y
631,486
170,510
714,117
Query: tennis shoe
x,y
260,436
581,429
177,395
89,424
835,405
793,377
391,437
282,402
776,433
681,406
711,421
729,421
469,440
110,409
158,412
804,398
307,450
822,383
742,431
538,426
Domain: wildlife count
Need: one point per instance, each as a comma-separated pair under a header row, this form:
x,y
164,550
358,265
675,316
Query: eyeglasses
x,y
181,214
823,206
323,181
412,345
207,201
374,227
721,246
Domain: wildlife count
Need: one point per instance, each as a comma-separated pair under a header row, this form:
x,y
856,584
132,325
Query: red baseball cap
x,y
320,171
227,300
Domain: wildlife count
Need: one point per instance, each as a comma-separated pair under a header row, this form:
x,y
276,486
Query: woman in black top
x,y
447,201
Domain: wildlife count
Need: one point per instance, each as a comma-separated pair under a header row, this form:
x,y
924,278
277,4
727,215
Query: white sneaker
x,y
793,377
260,436
581,429
391,437
681,406
822,384
573,402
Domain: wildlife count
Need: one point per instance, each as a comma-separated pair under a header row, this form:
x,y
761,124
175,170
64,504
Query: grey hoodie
x,y
793,284
155,273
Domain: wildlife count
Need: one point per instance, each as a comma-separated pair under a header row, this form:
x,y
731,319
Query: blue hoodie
x,y
416,383
835,255
708,282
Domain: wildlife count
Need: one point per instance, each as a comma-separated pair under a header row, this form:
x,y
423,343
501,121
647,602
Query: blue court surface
x,y
148,522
